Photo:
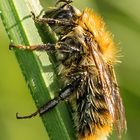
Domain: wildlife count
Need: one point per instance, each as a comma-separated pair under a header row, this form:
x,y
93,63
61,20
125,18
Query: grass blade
x,y
37,67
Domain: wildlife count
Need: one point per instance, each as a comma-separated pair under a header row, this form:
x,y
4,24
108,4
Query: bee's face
x,y
65,11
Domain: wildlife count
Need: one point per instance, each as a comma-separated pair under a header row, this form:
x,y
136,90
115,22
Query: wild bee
x,y
88,54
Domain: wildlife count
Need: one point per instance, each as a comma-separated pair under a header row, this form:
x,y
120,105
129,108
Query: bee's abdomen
x,y
93,119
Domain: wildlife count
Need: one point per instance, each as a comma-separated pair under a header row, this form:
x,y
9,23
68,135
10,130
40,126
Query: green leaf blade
x,y
43,85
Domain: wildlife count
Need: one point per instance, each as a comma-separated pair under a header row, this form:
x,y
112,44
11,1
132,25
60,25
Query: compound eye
x,y
66,14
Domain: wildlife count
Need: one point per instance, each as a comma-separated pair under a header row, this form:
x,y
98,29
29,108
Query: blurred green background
x,y
123,19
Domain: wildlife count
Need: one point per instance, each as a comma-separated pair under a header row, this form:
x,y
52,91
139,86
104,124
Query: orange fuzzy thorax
x,y
104,39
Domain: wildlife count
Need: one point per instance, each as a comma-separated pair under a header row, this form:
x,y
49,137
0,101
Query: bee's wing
x,y
110,89
120,120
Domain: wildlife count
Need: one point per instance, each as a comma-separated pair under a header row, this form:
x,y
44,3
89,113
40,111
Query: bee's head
x,y
63,10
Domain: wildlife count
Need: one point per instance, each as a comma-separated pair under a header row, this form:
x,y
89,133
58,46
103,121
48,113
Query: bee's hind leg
x,y
64,94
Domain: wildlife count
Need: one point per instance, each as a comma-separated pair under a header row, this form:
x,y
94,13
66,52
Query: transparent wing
x,y
119,116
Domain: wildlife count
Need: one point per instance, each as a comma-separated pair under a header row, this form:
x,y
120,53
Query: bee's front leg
x,y
52,21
